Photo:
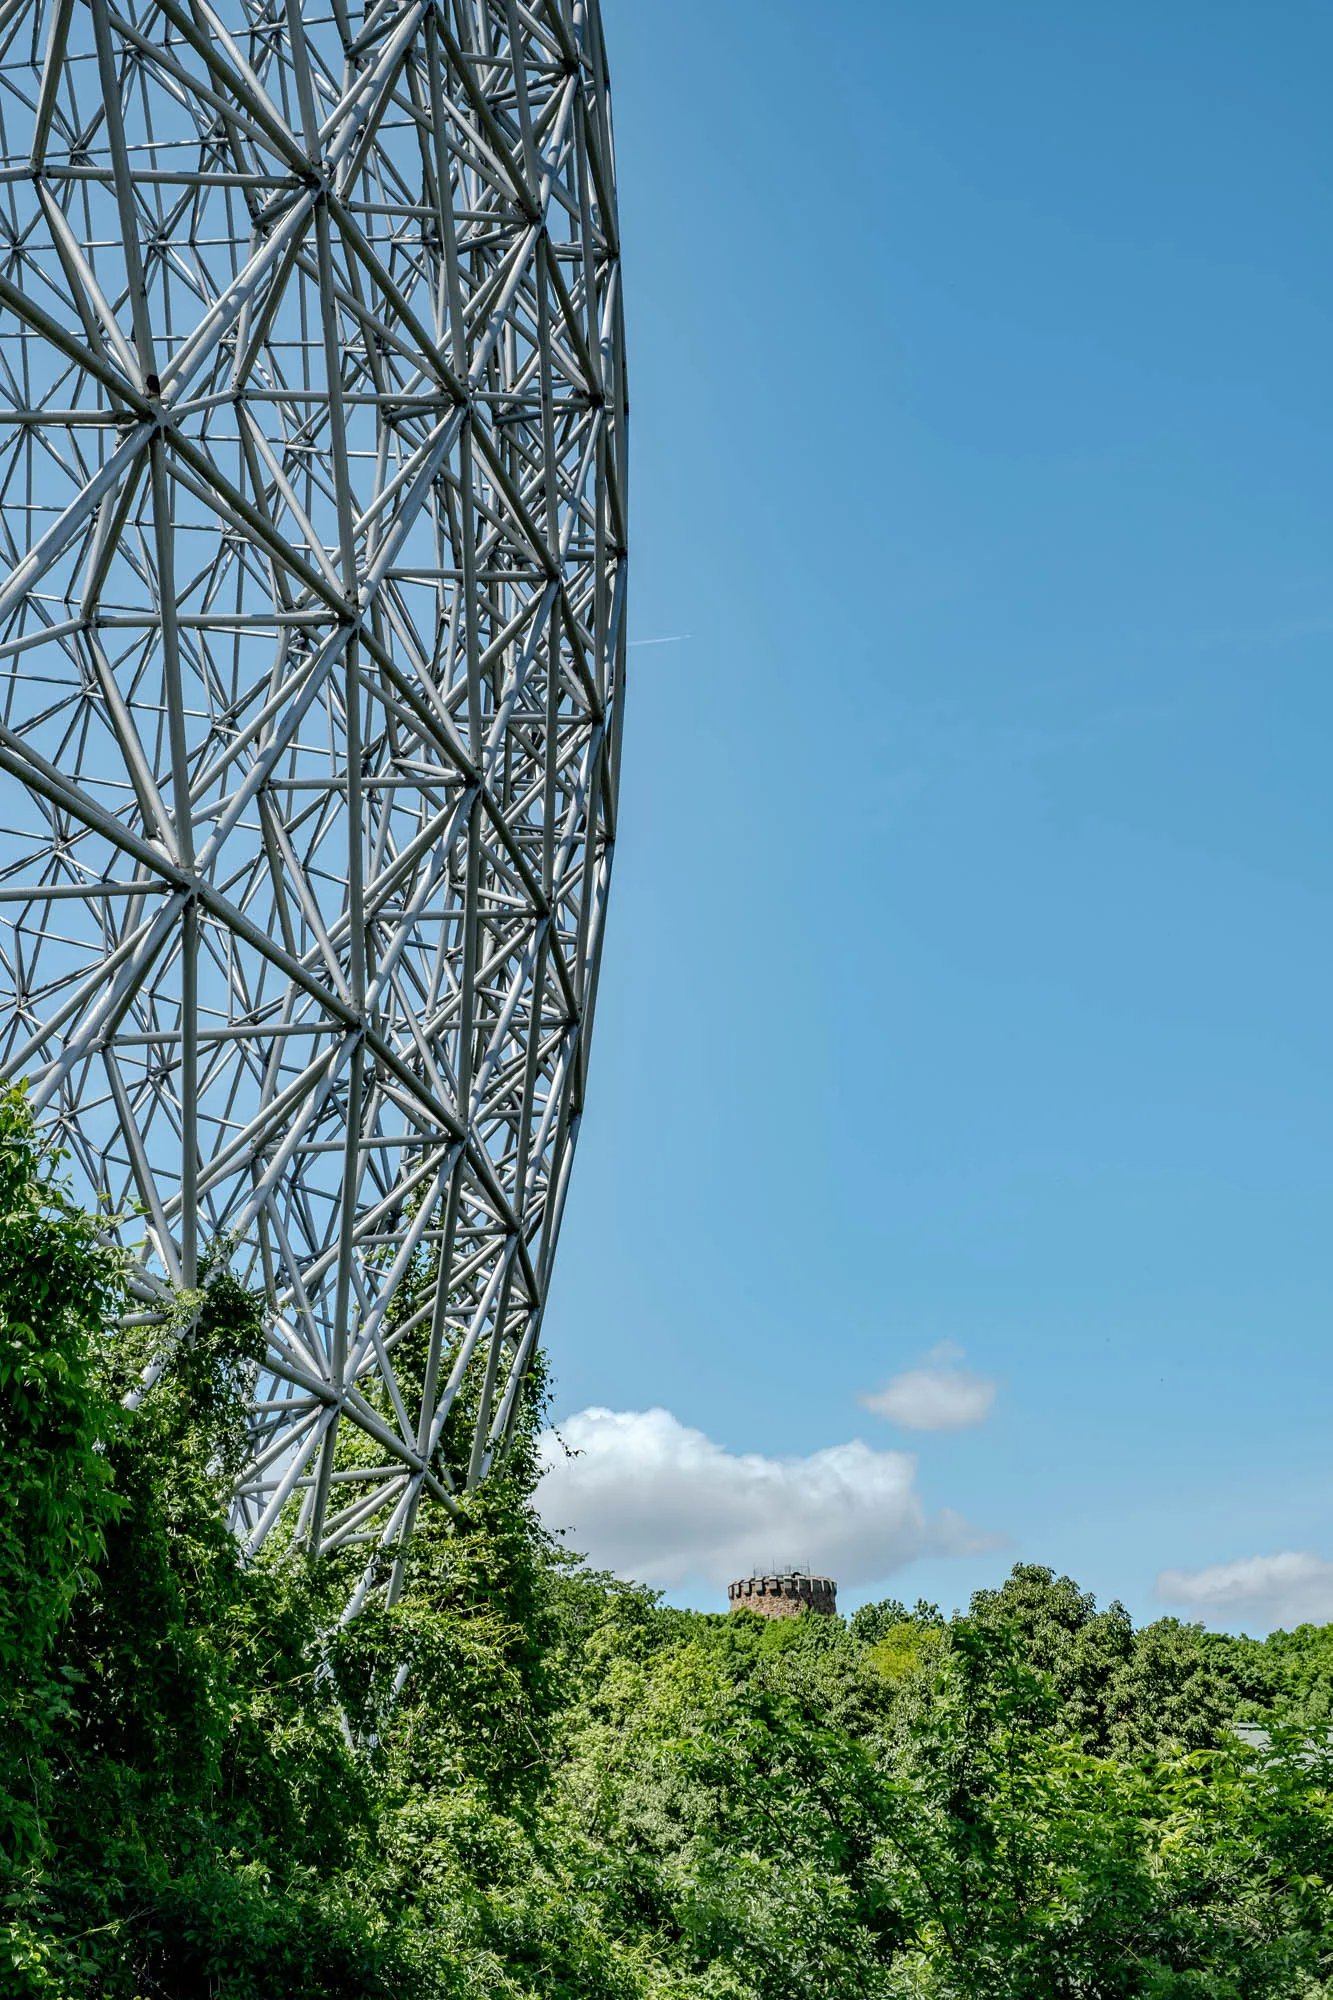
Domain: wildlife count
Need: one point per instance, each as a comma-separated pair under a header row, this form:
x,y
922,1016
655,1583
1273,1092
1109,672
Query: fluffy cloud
x,y
651,1499
1295,1588
938,1397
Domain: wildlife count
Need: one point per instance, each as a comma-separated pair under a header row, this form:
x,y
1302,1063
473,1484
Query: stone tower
x,y
784,1594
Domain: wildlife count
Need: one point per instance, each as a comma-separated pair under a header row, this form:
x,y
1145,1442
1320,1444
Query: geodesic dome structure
x,y
312,628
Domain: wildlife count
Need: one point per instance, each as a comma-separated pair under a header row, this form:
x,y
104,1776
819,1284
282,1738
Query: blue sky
x,y
969,972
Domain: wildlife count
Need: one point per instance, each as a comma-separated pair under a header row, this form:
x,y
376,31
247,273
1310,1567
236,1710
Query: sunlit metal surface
x,y
312,506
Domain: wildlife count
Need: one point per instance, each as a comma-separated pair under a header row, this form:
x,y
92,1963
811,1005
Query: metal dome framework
x,y
312,507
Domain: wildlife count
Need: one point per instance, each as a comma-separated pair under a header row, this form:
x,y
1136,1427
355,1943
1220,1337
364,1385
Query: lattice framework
x,y
312,435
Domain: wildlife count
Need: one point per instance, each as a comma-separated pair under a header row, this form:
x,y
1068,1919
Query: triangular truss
x,y
312,507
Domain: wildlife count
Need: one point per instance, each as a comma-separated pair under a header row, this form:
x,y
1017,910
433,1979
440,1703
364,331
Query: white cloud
x,y
652,1499
944,1397
1295,1588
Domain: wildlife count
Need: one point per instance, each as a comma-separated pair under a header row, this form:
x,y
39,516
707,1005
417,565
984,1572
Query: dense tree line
x,y
207,1788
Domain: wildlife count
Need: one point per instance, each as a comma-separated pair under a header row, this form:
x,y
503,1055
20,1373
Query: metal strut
x,y
312,561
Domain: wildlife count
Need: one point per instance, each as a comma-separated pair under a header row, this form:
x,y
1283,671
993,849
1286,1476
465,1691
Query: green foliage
x,y
1024,1865
58,1290
532,1781
873,1622
1117,1690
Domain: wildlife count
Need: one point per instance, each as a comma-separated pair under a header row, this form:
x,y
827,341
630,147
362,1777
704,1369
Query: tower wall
x,y
785,1595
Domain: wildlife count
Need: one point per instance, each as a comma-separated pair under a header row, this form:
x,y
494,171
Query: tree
x,y
531,1781
59,1290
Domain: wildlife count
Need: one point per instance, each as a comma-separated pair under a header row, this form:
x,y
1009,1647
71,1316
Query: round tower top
x,y
783,1593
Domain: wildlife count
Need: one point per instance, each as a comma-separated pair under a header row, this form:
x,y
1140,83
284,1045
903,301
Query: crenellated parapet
x,y
784,1594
